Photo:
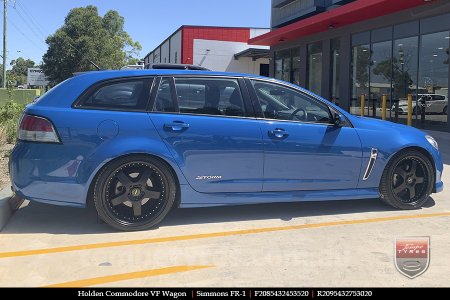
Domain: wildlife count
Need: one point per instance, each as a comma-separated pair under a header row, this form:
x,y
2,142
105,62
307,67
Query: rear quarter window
x,y
123,94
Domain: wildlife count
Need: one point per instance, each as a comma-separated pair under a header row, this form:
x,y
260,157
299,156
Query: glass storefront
x,y
295,76
432,99
391,62
335,70
360,77
315,68
380,77
416,65
283,65
287,65
404,75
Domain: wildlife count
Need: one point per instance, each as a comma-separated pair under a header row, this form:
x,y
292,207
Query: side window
x,y
128,94
283,103
164,99
209,96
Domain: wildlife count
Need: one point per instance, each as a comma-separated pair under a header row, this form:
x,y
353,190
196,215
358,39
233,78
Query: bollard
x,y
383,107
363,99
410,110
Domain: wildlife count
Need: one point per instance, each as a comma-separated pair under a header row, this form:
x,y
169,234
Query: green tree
x,y
87,36
20,70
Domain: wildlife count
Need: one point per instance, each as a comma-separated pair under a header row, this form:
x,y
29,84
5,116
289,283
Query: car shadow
x,y
43,218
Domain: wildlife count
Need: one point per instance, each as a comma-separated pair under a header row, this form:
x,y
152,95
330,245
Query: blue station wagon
x,y
138,143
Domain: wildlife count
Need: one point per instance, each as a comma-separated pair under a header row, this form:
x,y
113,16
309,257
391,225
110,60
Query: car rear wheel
x,y
134,193
407,181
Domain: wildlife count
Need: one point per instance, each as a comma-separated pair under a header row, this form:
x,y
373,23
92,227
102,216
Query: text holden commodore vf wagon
x,y
138,143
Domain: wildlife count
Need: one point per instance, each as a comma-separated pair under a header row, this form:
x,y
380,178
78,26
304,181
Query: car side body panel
x,y
90,138
63,173
216,154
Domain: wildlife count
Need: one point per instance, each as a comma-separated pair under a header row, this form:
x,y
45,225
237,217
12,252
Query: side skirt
x,y
191,198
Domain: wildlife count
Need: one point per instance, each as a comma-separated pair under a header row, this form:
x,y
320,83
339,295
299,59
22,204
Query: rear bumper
x,y
38,172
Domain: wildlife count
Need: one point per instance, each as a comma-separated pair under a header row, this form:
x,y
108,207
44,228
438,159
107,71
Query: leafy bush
x,y
9,117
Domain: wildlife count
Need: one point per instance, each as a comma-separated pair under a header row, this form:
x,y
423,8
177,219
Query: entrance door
x,y
264,70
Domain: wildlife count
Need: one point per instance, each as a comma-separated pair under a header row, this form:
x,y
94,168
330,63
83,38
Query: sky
x,y
29,22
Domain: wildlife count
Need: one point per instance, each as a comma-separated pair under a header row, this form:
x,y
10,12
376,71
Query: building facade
x,y
222,49
347,51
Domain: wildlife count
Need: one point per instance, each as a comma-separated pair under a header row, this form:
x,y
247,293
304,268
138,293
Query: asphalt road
x,y
345,243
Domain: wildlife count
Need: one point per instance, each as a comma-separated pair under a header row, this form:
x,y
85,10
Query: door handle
x,y
176,126
278,133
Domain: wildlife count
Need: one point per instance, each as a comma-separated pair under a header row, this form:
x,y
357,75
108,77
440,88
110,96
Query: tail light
x,y
37,129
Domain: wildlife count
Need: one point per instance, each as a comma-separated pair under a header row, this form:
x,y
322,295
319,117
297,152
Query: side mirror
x,y
339,120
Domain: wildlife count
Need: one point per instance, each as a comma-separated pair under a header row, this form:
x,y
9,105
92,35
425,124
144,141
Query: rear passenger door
x,y
208,125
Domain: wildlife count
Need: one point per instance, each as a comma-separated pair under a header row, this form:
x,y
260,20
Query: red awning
x,y
351,13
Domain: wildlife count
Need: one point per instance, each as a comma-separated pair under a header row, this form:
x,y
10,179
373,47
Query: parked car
x,y
430,103
140,143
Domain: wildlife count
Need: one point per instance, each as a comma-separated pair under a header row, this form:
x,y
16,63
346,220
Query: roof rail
x,y
175,67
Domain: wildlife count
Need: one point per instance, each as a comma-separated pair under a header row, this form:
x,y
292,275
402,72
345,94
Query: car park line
x,y
127,276
216,234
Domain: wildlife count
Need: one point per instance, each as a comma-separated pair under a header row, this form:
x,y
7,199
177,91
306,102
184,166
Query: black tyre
x,y
445,110
134,193
407,181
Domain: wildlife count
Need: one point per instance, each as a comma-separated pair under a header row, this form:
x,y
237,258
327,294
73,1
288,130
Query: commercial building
x,y
216,48
343,50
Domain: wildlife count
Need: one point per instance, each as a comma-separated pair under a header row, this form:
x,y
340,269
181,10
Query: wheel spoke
x,y
124,178
119,199
419,179
402,173
413,167
144,176
152,194
412,191
400,188
137,208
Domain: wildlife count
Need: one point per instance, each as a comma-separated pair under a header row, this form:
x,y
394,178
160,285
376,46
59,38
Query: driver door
x,y
303,150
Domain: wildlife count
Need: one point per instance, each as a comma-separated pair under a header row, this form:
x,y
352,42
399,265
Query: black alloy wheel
x,y
134,193
408,180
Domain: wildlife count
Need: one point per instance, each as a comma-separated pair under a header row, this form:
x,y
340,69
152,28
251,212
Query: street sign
x,y
36,77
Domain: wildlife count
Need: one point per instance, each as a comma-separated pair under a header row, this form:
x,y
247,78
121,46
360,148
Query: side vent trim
x,y
371,164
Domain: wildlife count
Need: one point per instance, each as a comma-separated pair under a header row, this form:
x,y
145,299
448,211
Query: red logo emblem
x,y
412,255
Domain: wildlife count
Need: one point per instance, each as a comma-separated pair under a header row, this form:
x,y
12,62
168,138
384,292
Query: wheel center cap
x,y
410,180
135,192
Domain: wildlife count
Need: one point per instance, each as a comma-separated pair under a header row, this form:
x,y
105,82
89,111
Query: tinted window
x,y
124,94
164,99
209,96
283,103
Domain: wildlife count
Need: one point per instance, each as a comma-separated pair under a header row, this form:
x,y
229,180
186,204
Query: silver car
x,y
432,103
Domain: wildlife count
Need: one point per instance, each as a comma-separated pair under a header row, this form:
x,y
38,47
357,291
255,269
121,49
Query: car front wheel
x,y
408,180
134,193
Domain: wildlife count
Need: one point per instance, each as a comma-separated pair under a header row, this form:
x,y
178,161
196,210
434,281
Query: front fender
x,y
389,139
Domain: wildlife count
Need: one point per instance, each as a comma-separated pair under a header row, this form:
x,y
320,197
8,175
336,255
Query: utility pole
x,y
4,43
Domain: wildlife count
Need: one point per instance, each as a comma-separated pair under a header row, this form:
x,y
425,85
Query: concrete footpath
x,y
321,244
8,205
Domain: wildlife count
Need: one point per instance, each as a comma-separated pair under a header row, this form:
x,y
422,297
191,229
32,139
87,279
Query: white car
x,y
433,103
